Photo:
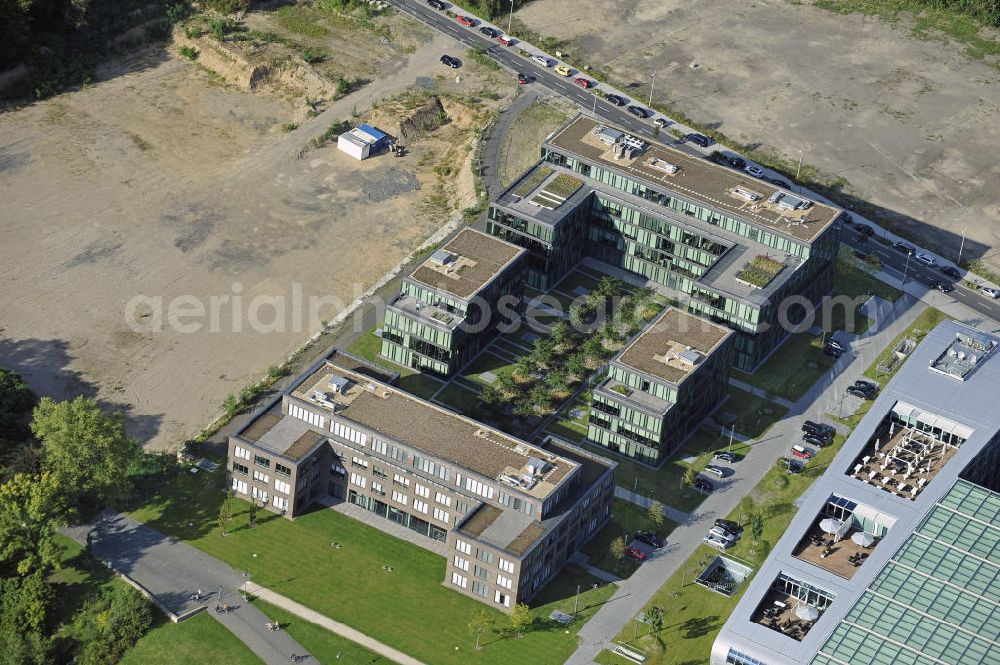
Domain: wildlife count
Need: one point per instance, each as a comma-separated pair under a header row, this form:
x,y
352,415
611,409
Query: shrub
x,y
194,31
189,52
313,55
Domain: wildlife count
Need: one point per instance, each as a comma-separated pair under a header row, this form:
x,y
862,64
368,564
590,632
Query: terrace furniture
x,y
857,469
780,604
864,460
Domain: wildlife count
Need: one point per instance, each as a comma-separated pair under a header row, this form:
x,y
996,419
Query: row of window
x,y
240,486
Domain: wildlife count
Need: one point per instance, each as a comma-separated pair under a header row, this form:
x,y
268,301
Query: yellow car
x,y
562,69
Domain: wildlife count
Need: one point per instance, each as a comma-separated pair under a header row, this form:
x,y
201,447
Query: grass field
x,y
368,346
520,147
200,639
296,559
775,377
749,414
627,518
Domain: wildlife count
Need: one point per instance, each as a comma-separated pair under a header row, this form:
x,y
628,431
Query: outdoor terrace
x,y
841,557
699,180
778,611
673,346
466,263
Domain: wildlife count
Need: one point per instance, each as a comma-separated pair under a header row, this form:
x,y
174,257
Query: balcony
x,y
841,556
779,612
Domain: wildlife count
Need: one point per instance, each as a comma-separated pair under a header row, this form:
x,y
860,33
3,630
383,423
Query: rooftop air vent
x,y
537,466
338,383
442,257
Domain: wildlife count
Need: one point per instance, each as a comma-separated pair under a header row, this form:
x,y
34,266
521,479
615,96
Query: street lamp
x,y
510,18
960,248
576,603
906,267
799,169
652,80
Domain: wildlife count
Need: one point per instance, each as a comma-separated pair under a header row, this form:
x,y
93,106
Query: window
x,y
358,462
442,515
481,573
484,555
262,461
430,468
463,547
360,481
280,503
480,589
389,450
458,580
399,498
378,489
261,477
461,563
282,486
260,494
443,499
348,433
379,471
505,582
400,480
502,599
506,566
476,487
734,657
239,468
420,490
462,507
282,469
308,416
240,486
420,506
241,452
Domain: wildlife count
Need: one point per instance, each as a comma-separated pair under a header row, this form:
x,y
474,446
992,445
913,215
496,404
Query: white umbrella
x,y
830,525
863,538
807,612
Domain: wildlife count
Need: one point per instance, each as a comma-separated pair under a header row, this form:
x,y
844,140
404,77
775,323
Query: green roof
x,y
938,599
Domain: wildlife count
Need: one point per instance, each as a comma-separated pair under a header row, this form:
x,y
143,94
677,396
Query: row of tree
x,y
60,462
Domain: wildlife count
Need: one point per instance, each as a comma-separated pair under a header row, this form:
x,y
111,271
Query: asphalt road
x,y
892,260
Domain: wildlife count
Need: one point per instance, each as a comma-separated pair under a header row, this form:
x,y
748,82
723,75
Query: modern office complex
x,y
510,513
447,308
735,249
661,385
894,554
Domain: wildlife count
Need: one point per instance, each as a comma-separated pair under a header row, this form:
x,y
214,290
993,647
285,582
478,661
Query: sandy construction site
x,y
164,180
910,123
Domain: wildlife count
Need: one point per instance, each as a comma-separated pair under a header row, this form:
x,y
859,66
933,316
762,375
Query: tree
x,y
490,396
252,513
540,397
654,617
656,513
16,400
608,286
505,385
542,352
480,621
24,605
110,625
525,367
558,382
29,508
617,548
562,335
756,526
520,618
576,365
226,512
86,449
690,474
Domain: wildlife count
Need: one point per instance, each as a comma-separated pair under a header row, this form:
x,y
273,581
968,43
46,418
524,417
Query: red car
x,y
522,79
506,40
583,83
801,452
467,21
635,553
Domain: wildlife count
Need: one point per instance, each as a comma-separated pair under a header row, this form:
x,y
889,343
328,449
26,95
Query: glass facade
x,y
401,517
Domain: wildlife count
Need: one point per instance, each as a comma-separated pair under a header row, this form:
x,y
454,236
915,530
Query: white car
x,y
755,171
990,292
716,542
540,60
925,258
722,534
661,122
715,470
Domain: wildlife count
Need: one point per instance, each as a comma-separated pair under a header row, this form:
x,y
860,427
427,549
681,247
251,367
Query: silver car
x,y
539,60
990,292
716,542
715,470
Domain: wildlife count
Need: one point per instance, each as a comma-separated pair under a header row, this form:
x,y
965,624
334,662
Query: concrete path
x,y
670,512
823,397
382,524
580,559
492,157
315,617
170,571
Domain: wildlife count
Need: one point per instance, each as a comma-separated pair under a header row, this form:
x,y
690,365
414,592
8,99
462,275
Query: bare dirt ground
x,y
910,123
165,181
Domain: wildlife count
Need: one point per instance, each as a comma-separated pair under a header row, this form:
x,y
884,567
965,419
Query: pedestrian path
x,y
580,559
322,621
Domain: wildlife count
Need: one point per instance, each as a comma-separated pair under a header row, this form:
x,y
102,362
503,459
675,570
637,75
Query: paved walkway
x,y
170,571
580,559
492,157
384,525
343,630
824,397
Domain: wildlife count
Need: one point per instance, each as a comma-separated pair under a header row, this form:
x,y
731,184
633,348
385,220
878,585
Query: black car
x,y
698,139
492,33
905,248
436,4
864,230
650,539
834,344
848,219
833,351
617,100
866,385
454,63
778,181
943,287
950,271
822,429
702,485
726,456
638,111
793,465
737,163
860,392
730,526
816,440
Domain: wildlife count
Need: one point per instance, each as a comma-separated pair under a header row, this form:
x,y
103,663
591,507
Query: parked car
x,y
583,83
869,386
638,111
926,259
715,470
847,219
724,533
505,40
943,287
801,452
950,271
810,427
492,33
635,553
857,391
617,100
729,525
778,182
990,292
698,139
815,440
467,21
435,4
833,351
717,543
726,456
562,70
522,78
661,122
449,61
650,539
835,343
793,465
540,60
737,163
864,230
702,485
755,171
904,247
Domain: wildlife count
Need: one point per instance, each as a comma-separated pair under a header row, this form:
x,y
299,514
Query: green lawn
x,y
459,398
850,280
368,346
200,639
751,415
487,362
694,614
627,518
792,370
296,559
574,279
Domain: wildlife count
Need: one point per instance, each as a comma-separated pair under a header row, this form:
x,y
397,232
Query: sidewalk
x,y
823,397
343,630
